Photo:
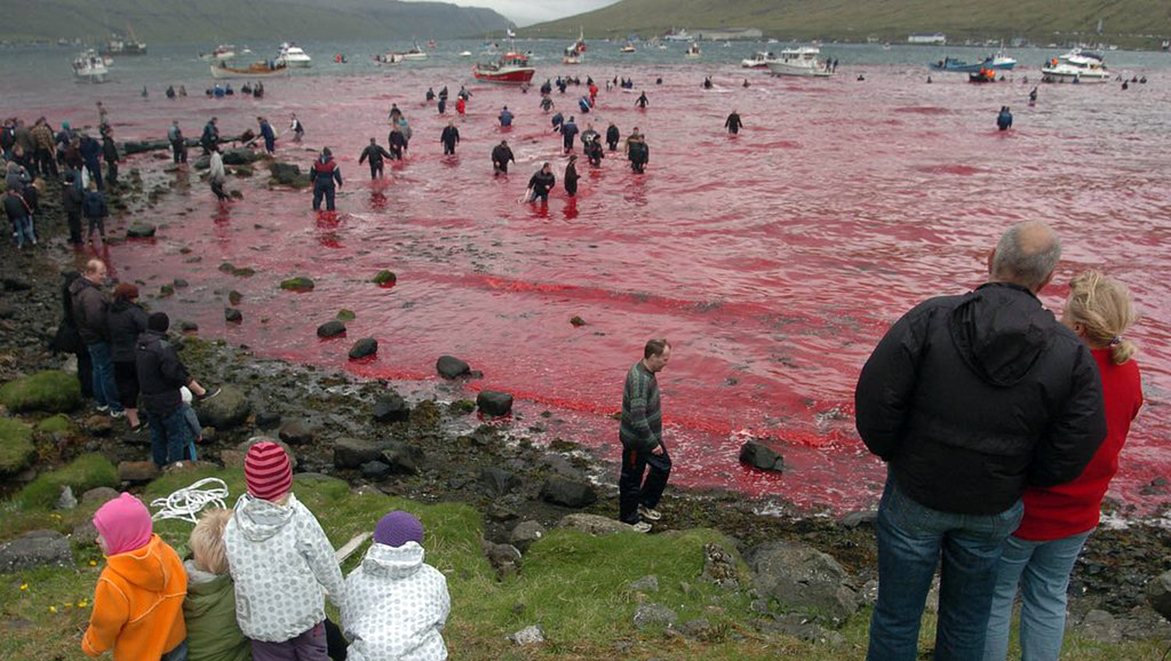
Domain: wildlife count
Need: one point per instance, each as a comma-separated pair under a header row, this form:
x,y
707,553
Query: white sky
x,y
527,12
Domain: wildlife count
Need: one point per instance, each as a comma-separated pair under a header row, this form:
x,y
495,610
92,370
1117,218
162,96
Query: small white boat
x,y
628,48
1076,66
221,52
693,51
415,54
758,61
800,62
293,55
90,66
389,58
571,56
465,53
677,35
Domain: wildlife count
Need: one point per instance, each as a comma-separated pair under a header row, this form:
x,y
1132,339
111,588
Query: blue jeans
x,y
105,392
911,540
177,654
1041,569
169,437
24,230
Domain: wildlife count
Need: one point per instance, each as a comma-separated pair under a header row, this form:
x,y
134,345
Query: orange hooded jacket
x,y
138,604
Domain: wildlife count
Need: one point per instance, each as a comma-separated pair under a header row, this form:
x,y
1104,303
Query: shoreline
x,y
457,453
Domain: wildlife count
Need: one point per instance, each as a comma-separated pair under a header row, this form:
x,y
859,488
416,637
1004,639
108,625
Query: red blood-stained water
x,y
772,260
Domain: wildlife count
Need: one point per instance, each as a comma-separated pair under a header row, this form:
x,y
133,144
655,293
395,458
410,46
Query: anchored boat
x,y
1076,66
257,70
510,69
800,62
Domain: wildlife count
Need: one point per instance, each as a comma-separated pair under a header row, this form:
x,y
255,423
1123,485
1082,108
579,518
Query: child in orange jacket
x,y
138,601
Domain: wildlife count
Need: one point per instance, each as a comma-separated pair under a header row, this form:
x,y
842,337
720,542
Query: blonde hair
x,y
207,541
1102,306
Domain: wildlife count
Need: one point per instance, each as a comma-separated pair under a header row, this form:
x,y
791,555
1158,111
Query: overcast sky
x,y
527,12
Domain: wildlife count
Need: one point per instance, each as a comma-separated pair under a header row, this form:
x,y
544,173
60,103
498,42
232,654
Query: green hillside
x,y
1128,22
155,21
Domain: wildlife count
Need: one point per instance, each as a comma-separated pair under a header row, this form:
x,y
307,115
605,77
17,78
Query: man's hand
x,y
658,449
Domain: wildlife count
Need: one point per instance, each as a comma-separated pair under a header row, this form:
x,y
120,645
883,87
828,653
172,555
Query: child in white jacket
x,y
280,560
396,605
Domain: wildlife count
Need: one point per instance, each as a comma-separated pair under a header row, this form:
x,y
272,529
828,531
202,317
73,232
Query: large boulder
x,y
761,456
298,283
140,231
364,347
391,408
239,156
402,457
801,578
296,433
568,493
288,174
498,481
450,367
493,403
353,452
228,409
593,524
16,446
1159,594
39,548
331,329
651,615
525,534
51,391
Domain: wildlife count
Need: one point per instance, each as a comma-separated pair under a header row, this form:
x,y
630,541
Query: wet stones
x,y
760,456
296,433
568,493
331,329
402,458
233,316
298,284
364,347
1159,594
450,367
239,156
498,481
391,408
493,403
140,231
353,452
385,278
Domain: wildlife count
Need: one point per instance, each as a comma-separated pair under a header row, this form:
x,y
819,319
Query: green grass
x,y
56,424
86,472
16,445
49,390
889,20
573,585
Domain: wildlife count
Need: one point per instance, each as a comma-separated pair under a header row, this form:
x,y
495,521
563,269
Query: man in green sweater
x,y
642,440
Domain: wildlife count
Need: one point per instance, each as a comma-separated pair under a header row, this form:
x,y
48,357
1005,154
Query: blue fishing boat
x,y
997,62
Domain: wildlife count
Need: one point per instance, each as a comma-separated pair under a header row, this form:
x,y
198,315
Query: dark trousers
x,y
323,191
613,145
169,437
95,172
396,153
179,151
74,220
375,170
633,490
309,646
270,145
46,163
217,187
448,148
112,173
85,371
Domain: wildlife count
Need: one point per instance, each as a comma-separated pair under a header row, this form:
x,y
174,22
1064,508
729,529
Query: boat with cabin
x,y
510,69
1076,66
997,62
628,47
90,66
571,56
293,55
802,62
415,54
758,61
693,51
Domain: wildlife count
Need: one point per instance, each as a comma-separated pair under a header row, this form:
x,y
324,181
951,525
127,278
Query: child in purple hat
x,y
396,604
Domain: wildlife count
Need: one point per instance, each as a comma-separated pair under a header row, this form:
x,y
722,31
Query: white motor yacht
x,y
1076,66
758,61
90,66
293,55
799,62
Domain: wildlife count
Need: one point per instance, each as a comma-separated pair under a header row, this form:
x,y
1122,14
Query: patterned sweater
x,y
642,417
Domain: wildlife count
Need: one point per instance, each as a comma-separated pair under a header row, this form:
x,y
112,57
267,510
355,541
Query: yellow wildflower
x,y
52,609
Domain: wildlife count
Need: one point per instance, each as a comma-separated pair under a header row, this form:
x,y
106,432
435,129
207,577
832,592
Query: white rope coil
x,y
187,502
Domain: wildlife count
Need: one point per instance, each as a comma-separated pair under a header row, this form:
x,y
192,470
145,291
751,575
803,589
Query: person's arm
x,y
638,390
882,398
362,158
109,614
1073,438
337,174
314,546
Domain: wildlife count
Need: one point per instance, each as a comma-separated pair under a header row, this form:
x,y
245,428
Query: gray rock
x,y
504,557
855,519
803,628
227,410
137,472
760,456
232,315
645,584
247,445
353,452
391,408
450,367
375,470
140,231
649,615
593,524
803,579
239,156
39,548
98,495
493,403
700,628
568,493
530,635
331,329
1159,594
268,419
366,346
498,481
402,457
66,501
525,533
296,433
1102,627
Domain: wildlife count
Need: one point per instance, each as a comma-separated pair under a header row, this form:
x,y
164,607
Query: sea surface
x,y
773,260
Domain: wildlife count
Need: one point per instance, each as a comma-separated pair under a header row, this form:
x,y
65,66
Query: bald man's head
x,y
1026,255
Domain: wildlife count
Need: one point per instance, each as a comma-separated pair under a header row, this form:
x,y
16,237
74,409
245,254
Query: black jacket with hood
x,y
160,374
125,321
89,311
971,398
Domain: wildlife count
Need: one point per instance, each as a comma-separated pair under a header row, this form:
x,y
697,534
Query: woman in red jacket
x,y
1040,555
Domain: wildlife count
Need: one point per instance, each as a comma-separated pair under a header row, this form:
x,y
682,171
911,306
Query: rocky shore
x,y
442,441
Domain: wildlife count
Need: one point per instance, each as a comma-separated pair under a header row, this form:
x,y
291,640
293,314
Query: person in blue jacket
x,y
1004,119
568,133
91,151
268,134
558,121
324,173
505,117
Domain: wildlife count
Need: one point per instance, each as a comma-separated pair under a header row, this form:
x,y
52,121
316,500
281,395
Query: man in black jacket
x,y
160,375
969,399
501,155
89,313
376,154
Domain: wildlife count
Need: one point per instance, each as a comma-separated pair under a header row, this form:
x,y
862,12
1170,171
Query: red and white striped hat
x,y
267,471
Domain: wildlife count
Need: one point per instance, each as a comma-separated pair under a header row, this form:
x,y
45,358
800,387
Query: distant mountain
x,y
155,21
1133,22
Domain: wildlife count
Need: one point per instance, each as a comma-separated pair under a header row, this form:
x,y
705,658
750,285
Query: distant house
x,y
936,39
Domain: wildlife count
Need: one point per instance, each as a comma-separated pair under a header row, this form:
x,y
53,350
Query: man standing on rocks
x,y
641,433
178,142
969,399
160,375
89,312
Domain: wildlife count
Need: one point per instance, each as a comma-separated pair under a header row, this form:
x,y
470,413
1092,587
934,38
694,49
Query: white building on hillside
x,y
936,39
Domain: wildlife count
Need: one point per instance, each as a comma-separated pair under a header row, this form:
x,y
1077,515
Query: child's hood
x,y
260,519
393,561
145,567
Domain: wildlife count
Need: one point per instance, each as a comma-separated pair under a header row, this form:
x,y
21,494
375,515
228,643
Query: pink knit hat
x,y
124,523
267,471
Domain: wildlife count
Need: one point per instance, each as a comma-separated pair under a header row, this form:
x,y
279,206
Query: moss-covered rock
x,y
82,474
50,391
346,315
385,278
299,283
57,424
16,446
